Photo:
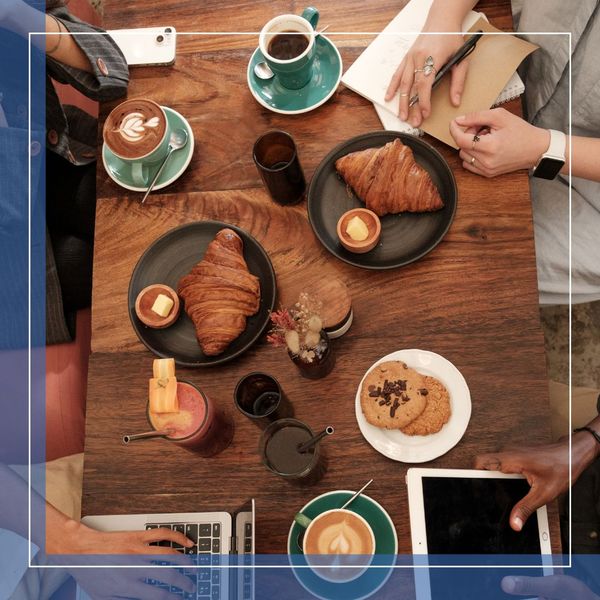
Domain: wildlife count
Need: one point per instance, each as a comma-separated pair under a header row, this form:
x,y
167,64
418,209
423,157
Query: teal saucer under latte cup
x,y
138,131
288,44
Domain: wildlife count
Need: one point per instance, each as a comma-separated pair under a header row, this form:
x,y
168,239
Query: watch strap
x,y
558,143
589,430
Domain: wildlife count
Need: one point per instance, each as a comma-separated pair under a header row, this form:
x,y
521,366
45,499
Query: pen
x,y
460,54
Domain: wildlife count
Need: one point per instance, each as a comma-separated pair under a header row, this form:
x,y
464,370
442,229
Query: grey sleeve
x,y
110,74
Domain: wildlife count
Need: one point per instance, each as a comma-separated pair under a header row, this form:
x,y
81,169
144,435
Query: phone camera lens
x,y
168,30
160,39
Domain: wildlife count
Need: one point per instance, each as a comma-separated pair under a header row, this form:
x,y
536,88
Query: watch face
x,y
548,168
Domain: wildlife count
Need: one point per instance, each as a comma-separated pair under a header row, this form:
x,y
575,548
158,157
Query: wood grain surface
x,y
473,299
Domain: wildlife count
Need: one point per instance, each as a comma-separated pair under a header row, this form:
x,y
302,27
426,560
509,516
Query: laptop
x,y
221,539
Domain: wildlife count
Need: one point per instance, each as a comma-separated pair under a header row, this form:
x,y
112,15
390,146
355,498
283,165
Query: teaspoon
x,y
178,140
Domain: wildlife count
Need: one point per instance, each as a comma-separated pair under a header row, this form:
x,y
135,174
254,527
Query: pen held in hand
x,y
458,56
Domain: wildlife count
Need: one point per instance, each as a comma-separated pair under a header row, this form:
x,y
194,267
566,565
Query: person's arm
x,y
92,63
66,536
20,18
546,469
444,16
63,48
108,75
585,162
509,143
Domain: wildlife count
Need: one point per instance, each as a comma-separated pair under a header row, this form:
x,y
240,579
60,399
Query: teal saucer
x,y
120,171
327,72
386,548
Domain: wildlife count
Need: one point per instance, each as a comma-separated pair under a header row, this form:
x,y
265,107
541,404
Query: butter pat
x,y
162,305
356,229
163,368
162,393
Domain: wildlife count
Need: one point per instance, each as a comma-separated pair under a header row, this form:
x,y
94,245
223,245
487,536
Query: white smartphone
x,y
147,46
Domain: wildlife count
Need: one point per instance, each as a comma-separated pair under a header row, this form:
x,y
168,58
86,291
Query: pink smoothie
x,y
191,415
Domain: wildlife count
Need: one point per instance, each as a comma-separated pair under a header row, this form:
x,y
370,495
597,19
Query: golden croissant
x,y
219,293
388,180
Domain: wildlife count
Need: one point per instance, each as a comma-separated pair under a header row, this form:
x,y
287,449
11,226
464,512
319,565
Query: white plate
x,y
421,448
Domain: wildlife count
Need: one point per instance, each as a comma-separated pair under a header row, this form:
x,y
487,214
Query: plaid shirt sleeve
x,y
109,76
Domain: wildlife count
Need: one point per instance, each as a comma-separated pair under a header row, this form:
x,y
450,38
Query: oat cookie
x,y
389,395
436,413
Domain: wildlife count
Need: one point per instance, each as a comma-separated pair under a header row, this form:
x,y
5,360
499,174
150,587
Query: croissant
x,y
388,180
219,293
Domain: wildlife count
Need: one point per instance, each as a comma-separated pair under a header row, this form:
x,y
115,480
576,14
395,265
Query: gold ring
x,y
472,161
404,95
419,70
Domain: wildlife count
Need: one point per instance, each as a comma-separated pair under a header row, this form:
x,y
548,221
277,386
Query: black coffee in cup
x,y
288,44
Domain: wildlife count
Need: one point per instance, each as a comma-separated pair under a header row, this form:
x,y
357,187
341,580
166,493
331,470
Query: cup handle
x,y
302,520
311,14
139,174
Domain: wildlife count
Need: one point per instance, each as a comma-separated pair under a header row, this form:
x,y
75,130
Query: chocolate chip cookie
x,y
389,396
436,413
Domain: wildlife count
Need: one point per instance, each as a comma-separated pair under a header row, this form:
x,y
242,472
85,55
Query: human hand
x,y
553,587
546,469
408,82
77,538
508,144
141,583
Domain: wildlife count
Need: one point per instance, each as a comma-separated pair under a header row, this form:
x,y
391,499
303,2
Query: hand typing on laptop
x,y
66,536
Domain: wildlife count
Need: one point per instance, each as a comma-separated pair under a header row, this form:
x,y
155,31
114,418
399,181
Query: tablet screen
x,y
470,516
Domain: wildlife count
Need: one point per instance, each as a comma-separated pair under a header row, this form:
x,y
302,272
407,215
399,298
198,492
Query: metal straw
x,y
146,435
316,439
362,489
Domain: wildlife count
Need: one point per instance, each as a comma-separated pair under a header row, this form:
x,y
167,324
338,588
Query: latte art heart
x,y
342,538
339,533
133,126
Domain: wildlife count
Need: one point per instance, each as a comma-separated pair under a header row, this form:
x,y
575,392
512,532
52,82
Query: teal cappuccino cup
x,y
288,44
138,132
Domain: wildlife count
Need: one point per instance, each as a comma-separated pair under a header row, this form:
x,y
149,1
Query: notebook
x,y
371,72
391,122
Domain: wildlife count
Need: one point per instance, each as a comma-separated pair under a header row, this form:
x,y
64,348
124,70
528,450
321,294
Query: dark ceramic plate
x,y
166,261
404,237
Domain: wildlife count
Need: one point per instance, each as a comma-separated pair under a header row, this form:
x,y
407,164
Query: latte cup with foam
x,y
338,544
137,132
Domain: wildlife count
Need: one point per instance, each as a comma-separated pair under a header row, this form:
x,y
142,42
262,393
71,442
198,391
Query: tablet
x,y
465,512
455,511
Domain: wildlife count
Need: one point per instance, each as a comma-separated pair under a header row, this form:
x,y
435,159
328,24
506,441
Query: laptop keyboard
x,y
206,538
208,548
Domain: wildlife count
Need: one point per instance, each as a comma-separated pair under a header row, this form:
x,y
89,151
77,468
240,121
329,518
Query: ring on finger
x,y
476,138
404,95
472,161
429,66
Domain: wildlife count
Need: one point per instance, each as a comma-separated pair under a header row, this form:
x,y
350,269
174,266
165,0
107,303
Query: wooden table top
x,y
473,299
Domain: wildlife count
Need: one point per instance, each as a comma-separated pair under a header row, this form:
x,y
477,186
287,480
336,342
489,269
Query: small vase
x,y
321,364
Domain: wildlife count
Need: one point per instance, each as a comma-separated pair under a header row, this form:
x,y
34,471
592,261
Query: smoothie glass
x,y
199,426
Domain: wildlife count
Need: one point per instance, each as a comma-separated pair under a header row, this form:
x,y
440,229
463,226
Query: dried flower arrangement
x,y
298,328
